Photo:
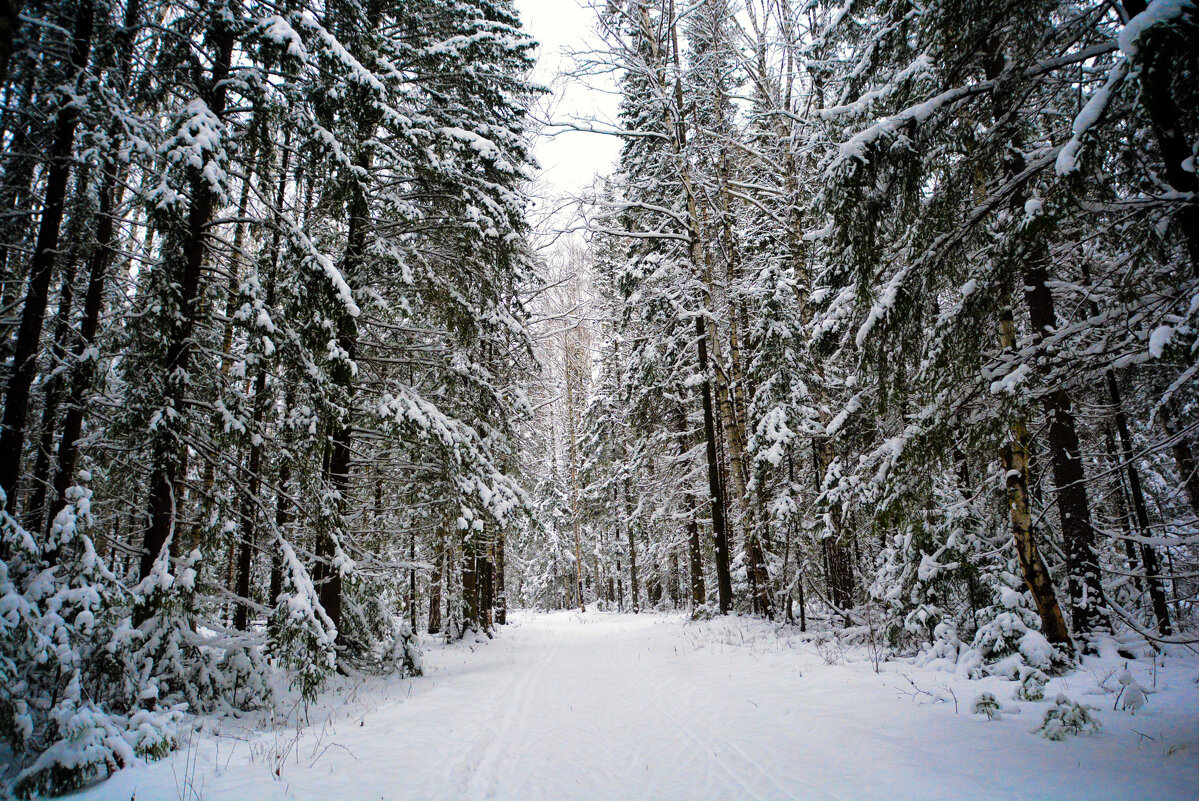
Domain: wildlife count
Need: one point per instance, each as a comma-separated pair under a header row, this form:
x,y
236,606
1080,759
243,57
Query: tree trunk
x,y
10,20
1082,564
574,480
1157,595
634,589
187,275
41,266
470,584
838,564
724,582
501,589
282,519
52,395
412,580
1032,566
436,580
249,509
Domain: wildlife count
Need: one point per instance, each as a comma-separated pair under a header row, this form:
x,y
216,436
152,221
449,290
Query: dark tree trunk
x,y
1082,564
470,585
41,266
83,366
435,583
329,574
10,19
325,571
634,588
837,561
249,509
501,590
36,513
188,276
699,593
724,581
1157,595
412,580
282,520
1032,565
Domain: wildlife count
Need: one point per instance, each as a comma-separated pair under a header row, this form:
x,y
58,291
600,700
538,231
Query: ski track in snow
x,y
601,706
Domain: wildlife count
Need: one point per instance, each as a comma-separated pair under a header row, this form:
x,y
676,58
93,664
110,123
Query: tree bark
x,y
501,589
724,582
249,509
41,266
1157,595
436,580
634,589
470,584
282,519
188,276
1032,566
1082,563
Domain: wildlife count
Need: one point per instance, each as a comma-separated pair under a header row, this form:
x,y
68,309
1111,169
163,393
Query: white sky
x,y
568,159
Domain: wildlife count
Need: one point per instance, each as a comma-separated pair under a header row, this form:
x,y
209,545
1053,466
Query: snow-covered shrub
x,y
916,571
1032,685
986,704
1132,696
374,638
1010,641
300,636
65,712
1067,718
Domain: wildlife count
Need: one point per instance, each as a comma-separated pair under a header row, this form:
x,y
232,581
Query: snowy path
x,y
620,707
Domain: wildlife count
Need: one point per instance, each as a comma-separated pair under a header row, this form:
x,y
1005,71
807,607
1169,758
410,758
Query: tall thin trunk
x,y
1078,532
52,395
574,477
282,520
634,588
501,589
1157,595
724,582
838,564
41,265
1032,565
470,583
249,507
439,556
187,274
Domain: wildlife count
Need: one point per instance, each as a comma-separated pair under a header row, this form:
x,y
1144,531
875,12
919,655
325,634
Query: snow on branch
x,y
1067,157
855,147
1157,13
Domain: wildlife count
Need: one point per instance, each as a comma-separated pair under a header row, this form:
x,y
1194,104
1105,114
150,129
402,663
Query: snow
x,y
1159,339
564,706
1157,12
1067,157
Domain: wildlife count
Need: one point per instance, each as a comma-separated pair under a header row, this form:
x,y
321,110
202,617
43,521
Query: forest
x,y
883,327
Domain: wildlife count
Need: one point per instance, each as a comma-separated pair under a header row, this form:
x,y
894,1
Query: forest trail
x,y
601,706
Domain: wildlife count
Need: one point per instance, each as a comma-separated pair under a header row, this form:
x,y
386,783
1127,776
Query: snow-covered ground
x,y
601,706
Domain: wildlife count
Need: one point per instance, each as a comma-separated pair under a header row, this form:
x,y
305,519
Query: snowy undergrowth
x,y
1126,676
